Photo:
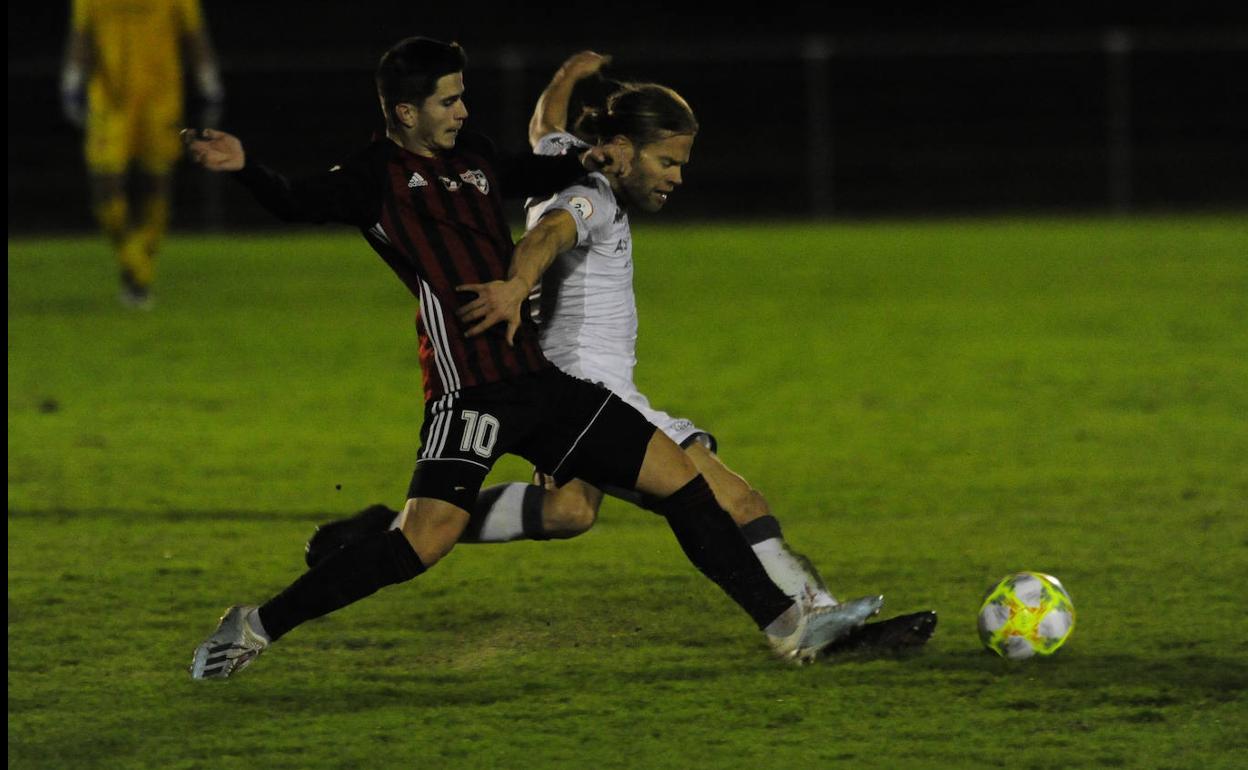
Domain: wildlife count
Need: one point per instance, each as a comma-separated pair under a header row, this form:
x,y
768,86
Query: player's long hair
x,y
643,112
409,71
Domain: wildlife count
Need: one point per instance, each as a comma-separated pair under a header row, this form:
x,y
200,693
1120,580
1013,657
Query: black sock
x,y
762,528
531,513
713,542
346,576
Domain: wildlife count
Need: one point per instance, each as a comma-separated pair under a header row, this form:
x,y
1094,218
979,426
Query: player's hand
x,y
496,302
583,64
214,150
608,158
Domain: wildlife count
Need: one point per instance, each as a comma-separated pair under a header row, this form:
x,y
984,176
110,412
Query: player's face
x,y
440,117
656,171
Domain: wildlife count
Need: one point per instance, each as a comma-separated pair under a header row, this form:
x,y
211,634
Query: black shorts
x,y
566,427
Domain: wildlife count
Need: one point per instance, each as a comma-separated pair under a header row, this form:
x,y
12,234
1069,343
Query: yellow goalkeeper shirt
x,y
136,48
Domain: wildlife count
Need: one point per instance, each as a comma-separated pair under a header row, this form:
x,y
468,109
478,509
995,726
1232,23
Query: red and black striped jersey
x,y
438,223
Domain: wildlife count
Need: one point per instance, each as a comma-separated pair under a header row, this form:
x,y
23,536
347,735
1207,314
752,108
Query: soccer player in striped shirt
x,y
429,202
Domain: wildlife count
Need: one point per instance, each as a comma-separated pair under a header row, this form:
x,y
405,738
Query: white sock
x,y
793,573
504,520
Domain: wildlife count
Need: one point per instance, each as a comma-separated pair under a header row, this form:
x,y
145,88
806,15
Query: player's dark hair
x,y
590,94
409,71
643,112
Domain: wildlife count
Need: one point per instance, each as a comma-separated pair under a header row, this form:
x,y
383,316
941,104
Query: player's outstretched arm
x,y
499,301
551,112
214,150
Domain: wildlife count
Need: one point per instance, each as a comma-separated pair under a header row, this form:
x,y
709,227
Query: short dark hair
x,y
643,112
410,70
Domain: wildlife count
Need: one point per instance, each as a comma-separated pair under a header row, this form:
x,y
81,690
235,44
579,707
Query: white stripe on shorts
x,y
578,438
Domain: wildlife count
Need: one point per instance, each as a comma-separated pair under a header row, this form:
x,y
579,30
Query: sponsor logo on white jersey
x,y
417,181
583,208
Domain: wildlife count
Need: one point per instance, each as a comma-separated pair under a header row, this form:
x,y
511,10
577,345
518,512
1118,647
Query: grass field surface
x,y
927,407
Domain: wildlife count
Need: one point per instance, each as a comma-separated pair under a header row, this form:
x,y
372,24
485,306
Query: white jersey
x,y
587,311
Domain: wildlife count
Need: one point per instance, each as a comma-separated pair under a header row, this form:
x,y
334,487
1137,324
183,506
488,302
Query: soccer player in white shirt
x,y
588,312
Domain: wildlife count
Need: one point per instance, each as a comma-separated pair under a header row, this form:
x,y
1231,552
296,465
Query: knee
x,y
567,515
432,533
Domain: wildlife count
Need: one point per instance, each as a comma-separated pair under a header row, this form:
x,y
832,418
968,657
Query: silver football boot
x,y
231,648
822,626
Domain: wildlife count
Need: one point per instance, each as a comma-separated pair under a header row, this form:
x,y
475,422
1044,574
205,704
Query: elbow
x,y
537,130
541,127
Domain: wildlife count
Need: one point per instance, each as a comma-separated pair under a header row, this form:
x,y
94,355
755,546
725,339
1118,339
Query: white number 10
x,y
480,432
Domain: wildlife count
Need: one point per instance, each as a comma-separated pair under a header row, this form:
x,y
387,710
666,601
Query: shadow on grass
x,y
1217,677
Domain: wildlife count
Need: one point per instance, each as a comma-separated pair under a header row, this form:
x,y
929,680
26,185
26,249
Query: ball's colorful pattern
x,y
1027,613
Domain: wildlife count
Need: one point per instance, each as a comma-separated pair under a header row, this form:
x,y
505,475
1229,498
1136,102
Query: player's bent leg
x,y
709,538
714,543
346,576
744,503
432,527
504,512
792,571
619,447
570,510
664,469
515,511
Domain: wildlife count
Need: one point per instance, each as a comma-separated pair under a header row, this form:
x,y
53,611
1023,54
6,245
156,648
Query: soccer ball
x,y
1027,613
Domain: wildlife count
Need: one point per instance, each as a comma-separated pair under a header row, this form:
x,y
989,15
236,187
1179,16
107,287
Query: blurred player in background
x,y
122,83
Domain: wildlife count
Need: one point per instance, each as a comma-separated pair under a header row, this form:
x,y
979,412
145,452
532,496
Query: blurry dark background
x,y
804,111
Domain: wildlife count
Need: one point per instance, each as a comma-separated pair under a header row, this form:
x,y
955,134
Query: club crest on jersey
x,y
476,178
451,185
581,205
417,181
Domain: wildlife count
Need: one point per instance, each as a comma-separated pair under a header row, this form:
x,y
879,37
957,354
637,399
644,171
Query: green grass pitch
x,y
927,406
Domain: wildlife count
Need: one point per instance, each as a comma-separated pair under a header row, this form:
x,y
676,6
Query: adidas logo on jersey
x,y
416,181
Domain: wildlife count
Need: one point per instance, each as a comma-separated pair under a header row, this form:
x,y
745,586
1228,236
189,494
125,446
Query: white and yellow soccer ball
x,y
1026,614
